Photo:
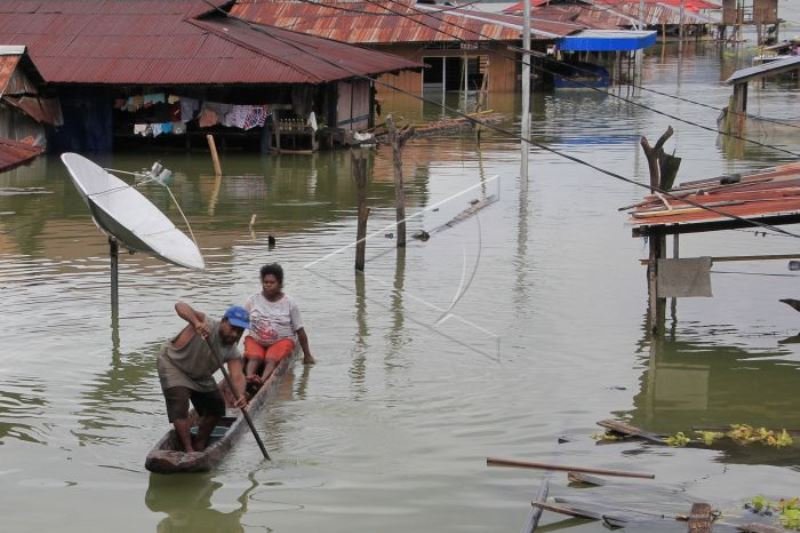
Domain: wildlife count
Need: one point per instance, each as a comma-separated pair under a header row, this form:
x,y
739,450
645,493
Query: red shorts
x,y
274,352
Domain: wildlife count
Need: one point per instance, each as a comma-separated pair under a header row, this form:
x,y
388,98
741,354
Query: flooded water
x,y
494,338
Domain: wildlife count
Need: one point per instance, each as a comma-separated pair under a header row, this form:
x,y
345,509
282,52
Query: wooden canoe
x,y
168,457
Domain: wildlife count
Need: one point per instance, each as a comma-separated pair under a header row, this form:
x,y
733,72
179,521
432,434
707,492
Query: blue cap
x,y
238,316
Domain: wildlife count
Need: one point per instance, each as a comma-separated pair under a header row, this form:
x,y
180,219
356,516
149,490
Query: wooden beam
x,y
729,258
716,225
495,461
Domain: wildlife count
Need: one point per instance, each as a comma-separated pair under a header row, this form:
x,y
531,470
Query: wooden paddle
x,y
236,396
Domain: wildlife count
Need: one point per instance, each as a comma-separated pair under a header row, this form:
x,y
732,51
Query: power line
x,y
521,61
265,31
543,69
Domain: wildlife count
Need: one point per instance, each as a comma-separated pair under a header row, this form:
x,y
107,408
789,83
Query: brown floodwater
x,y
495,337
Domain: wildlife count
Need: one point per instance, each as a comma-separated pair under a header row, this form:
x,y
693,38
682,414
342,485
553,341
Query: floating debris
x,y
15,191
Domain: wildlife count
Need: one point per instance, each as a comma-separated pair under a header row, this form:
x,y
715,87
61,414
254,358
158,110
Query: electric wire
x,y
522,61
543,69
265,31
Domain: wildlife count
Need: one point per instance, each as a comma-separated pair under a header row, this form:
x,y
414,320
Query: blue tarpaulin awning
x,y
607,41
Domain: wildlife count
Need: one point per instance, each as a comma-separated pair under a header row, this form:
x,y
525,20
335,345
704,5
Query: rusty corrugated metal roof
x,y
387,22
8,64
770,193
608,14
13,153
159,43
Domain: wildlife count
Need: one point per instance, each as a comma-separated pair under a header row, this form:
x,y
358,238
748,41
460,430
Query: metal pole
x,y
466,78
641,14
680,26
526,91
113,249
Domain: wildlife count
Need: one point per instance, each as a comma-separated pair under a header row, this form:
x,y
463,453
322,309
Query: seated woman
x,y
275,327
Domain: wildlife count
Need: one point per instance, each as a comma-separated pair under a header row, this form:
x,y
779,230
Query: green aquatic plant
x,y
678,440
759,504
788,510
708,437
790,519
607,436
746,434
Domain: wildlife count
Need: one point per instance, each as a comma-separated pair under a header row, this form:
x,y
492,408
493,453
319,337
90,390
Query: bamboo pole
x,y
214,156
526,94
495,461
399,186
360,176
113,252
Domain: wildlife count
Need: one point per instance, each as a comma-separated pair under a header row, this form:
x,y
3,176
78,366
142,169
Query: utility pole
x,y
641,14
526,92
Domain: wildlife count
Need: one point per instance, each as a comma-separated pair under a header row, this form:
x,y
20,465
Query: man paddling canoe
x,y
186,366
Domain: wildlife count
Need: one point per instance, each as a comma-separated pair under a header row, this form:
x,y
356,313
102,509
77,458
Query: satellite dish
x,y
128,216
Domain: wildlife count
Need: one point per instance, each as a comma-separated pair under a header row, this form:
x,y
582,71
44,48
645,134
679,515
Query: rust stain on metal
x,y
392,22
616,14
177,42
8,64
13,153
769,193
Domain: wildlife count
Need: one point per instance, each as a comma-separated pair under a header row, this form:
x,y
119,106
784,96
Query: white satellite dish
x,y
128,216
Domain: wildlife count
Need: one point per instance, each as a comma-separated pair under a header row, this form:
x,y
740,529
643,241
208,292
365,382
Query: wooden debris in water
x,y
585,479
569,510
631,431
495,461
700,518
536,512
444,126
761,528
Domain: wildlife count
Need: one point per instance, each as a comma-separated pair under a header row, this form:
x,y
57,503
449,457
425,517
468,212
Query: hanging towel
x,y
172,99
683,278
154,98
140,129
207,118
312,121
178,128
166,128
134,103
236,116
189,108
257,117
156,128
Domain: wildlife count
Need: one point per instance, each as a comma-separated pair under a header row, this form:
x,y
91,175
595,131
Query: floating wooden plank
x,y
586,479
629,513
496,461
632,431
761,528
568,510
536,512
700,518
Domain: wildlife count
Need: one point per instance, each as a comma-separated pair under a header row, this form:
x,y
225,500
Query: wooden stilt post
x,y
113,249
399,186
359,163
675,255
658,241
739,107
212,146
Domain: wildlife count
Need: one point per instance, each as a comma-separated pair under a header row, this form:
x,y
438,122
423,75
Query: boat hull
x,y
167,456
